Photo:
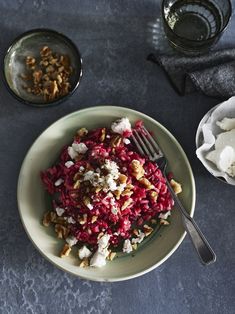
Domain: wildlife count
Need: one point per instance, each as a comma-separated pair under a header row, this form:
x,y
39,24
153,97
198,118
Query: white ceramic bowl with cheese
x,y
215,141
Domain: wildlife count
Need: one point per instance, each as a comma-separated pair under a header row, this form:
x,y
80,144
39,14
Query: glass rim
x,y
193,40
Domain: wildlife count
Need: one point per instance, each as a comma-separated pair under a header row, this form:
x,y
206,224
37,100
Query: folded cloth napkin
x,y
213,74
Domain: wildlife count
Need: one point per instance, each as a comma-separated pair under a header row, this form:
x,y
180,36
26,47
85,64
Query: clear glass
x,y
193,26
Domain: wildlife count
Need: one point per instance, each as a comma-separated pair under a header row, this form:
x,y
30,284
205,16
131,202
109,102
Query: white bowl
x,y
33,200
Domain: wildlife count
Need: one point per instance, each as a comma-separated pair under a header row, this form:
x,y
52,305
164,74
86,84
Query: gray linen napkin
x,y
212,74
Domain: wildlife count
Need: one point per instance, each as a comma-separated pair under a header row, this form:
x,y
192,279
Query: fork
x,y
147,146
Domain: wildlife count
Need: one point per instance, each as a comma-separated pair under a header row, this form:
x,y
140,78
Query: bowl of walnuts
x,y
42,67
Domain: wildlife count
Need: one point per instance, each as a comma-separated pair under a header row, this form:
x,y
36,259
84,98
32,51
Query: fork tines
x,y
146,144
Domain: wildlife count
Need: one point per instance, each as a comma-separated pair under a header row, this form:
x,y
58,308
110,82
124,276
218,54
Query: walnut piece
x,y
127,203
82,132
146,183
103,134
84,263
61,231
65,251
176,186
147,230
116,141
137,169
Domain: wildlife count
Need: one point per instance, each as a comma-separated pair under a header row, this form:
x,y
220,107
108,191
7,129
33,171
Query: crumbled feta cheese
x,y
226,124
139,239
90,206
164,215
103,241
89,175
80,148
112,201
121,125
224,154
84,252
71,220
69,164
59,182
72,153
98,260
71,240
108,136
112,185
81,169
126,141
59,211
127,247
111,167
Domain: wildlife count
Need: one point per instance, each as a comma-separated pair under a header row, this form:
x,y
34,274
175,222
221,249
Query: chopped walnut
x,y
127,203
154,195
116,141
61,231
30,61
103,134
65,251
146,183
82,220
46,219
164,222
117,193
127,192
48,76
147,230
122,178
76,184
82,132
137,169
176,186
111,256
84,263
93,219
134,246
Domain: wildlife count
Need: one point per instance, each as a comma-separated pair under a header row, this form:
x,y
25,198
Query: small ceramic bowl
x,y
29,44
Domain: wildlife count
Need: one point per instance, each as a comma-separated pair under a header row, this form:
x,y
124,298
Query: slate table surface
x,y
114,38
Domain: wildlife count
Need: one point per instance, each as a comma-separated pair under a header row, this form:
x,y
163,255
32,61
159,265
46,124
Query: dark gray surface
x,y
114,38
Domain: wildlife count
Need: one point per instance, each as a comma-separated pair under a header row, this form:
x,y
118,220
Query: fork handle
x,y
203,248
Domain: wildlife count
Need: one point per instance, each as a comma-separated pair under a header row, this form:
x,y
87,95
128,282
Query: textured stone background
x,y
114,38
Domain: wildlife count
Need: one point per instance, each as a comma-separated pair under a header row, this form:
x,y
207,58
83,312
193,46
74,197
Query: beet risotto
x,y
106,197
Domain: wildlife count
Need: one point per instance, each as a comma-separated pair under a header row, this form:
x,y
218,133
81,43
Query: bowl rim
x,y
145,270
53,102
194,40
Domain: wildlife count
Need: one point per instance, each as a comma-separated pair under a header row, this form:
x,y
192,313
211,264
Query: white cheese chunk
x,y
164,215
80,148
69,164
98,260
84,252
72,153
71,240
127,247
59,182
59,211
121,125
226,124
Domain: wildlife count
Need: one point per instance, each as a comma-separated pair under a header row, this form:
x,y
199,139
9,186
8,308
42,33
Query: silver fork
x,y
147,146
